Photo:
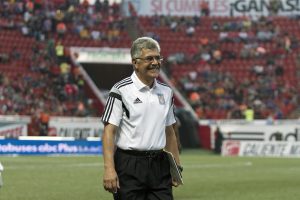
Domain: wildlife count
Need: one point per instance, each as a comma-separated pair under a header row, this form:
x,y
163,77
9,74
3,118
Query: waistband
x,y
149,153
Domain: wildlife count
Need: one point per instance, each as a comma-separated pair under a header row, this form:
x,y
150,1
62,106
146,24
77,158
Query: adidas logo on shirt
x,y
137,100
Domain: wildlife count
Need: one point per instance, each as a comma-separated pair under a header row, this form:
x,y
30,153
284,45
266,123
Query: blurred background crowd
x,y
225,67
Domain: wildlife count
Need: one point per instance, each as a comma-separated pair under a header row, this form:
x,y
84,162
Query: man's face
x,y
147,66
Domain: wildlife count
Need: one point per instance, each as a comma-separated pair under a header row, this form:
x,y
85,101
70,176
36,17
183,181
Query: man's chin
x,y
154,75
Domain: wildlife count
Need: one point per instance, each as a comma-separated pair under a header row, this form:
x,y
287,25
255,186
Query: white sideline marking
x,y
190,199
192,166
66,165
61,165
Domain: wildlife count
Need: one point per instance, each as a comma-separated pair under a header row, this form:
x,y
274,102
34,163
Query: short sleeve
x,y
113,109
171,115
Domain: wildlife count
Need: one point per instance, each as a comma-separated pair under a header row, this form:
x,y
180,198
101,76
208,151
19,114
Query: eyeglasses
x,y
150,59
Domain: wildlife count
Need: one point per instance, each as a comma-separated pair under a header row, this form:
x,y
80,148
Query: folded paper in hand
x,y
174,170
1,181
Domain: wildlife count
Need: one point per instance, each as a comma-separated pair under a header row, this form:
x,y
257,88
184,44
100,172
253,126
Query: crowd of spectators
x,y
215,92
220,95
54,82
40,79
44,20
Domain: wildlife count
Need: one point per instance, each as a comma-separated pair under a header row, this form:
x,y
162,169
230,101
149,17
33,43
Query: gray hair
x,y
143,43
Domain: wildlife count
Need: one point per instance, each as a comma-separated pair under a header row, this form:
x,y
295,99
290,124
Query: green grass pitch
x,y
206,176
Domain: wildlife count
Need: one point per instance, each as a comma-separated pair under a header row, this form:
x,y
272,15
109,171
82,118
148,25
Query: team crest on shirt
x,y
161,98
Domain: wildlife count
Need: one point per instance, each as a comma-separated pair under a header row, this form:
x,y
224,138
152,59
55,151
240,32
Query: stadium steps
x,y
294,114
132,28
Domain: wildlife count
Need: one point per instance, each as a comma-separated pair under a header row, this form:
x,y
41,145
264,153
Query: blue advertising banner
x,y
48,147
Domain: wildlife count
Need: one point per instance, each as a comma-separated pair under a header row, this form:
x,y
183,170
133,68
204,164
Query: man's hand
x,y
174,183
110,177
110,180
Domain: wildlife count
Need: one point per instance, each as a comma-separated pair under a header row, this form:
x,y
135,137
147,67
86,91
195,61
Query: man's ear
x,y
134,64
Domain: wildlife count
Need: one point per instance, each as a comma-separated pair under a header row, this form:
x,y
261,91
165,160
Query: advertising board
x,y
257,132
261,148
13,130
47,146
216,7
79,128
13,126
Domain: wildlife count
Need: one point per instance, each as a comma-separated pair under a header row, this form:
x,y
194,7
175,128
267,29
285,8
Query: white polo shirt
x,y
140,112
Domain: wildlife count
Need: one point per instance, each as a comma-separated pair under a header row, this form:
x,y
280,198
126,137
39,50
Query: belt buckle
x,y
148,154
151,154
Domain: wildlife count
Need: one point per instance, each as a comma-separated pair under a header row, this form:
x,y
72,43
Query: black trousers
x,y
143,177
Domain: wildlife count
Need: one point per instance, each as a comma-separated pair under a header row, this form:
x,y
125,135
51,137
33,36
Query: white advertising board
x,y
217,7
257,132
260,148
79,128
101,55
13,126
13,130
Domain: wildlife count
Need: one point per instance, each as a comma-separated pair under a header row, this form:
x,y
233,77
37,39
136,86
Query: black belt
x,y
149,153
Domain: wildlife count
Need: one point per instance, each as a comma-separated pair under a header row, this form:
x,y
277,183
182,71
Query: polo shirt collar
x,y
139,84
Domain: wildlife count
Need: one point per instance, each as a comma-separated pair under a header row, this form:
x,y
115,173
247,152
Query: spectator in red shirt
x,y
204,8
61,29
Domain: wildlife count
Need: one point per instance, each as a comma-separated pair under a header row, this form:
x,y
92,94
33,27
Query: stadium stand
x,y
37,75
228,64
35,38
221,65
